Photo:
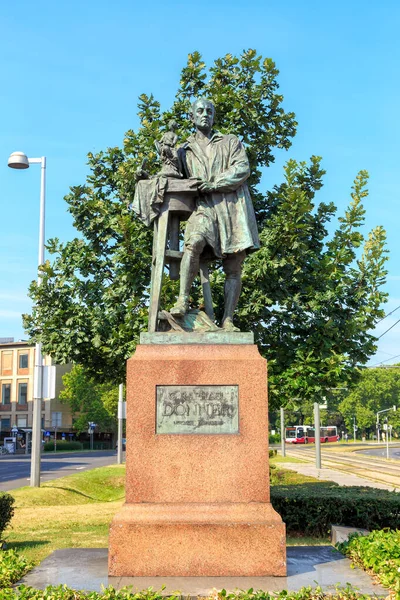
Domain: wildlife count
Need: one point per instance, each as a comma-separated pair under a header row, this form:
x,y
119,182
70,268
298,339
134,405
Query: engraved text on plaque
x,y
197,409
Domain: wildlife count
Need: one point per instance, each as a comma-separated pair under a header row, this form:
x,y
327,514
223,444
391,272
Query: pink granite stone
x,y
197,504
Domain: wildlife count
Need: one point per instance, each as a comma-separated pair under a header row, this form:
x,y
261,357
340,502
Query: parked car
x,y
123,444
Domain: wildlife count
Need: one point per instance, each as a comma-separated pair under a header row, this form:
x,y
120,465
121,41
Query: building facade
x,y
17,360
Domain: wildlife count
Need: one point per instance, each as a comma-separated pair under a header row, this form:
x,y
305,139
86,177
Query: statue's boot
x,y
232,288
181,306
228,325
189,268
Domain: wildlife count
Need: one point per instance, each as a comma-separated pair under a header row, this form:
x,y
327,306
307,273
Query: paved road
x,y
369,450
381,452
15,470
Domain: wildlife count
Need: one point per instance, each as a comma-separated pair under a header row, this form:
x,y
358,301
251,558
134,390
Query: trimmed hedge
x,y
6,510
311,509
62,446
98,446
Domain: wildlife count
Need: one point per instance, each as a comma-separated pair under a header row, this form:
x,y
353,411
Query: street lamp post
x,y
121,417
317,427
19,160
283,436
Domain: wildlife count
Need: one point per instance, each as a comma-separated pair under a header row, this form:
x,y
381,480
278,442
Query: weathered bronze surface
x,y
193,321
219,337
197,409
220,225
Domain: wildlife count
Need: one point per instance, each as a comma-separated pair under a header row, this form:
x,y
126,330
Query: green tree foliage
x,y
377,389
310,299
90,401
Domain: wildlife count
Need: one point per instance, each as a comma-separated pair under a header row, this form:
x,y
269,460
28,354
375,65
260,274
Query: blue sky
x,y
72,72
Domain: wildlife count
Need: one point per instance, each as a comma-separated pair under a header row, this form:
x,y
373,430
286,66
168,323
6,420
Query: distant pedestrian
x,y
346,437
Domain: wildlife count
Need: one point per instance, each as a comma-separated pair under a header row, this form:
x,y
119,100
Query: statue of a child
x,y
171,166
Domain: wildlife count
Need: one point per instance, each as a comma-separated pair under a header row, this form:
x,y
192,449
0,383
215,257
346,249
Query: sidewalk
x,y
86,569
340,477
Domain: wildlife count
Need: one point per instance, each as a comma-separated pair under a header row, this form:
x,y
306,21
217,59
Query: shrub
x,y
98,446
310,509
63,593
6,510
12,567
378,553
274,439
62,446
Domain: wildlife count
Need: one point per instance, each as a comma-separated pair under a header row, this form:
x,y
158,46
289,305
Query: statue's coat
x,y
225,217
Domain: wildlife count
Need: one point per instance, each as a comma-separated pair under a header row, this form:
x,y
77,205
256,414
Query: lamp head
x,y
18,160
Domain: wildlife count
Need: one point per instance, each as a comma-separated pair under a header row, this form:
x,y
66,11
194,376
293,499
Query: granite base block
x,y
185,540
197,492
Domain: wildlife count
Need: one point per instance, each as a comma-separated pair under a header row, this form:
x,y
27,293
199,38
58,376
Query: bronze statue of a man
x,y
223,226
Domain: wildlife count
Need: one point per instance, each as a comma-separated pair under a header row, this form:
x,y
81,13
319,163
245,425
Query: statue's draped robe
x,y
225,217
149,196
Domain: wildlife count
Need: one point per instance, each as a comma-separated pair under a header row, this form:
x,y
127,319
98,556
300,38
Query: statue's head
x,y
172,125
202,114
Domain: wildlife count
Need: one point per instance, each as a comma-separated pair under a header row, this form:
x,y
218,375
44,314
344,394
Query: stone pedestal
x,y
197,504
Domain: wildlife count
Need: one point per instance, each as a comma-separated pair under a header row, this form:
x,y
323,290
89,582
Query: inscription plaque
x,y
197,409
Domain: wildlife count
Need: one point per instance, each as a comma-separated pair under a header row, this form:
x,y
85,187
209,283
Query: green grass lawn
x,y
278,458
73,511
76,511
105,484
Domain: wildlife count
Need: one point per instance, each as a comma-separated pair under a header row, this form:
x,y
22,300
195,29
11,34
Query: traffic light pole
x,y
91,429
378,426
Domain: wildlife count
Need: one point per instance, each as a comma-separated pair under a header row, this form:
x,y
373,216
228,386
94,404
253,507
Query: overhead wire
x,y
383,361
391,327
388,314
387,330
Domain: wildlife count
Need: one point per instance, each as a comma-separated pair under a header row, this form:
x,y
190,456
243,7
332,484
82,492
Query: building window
x,y
6,363
6,424
21,421
56,419
23,361
22,393
6,393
